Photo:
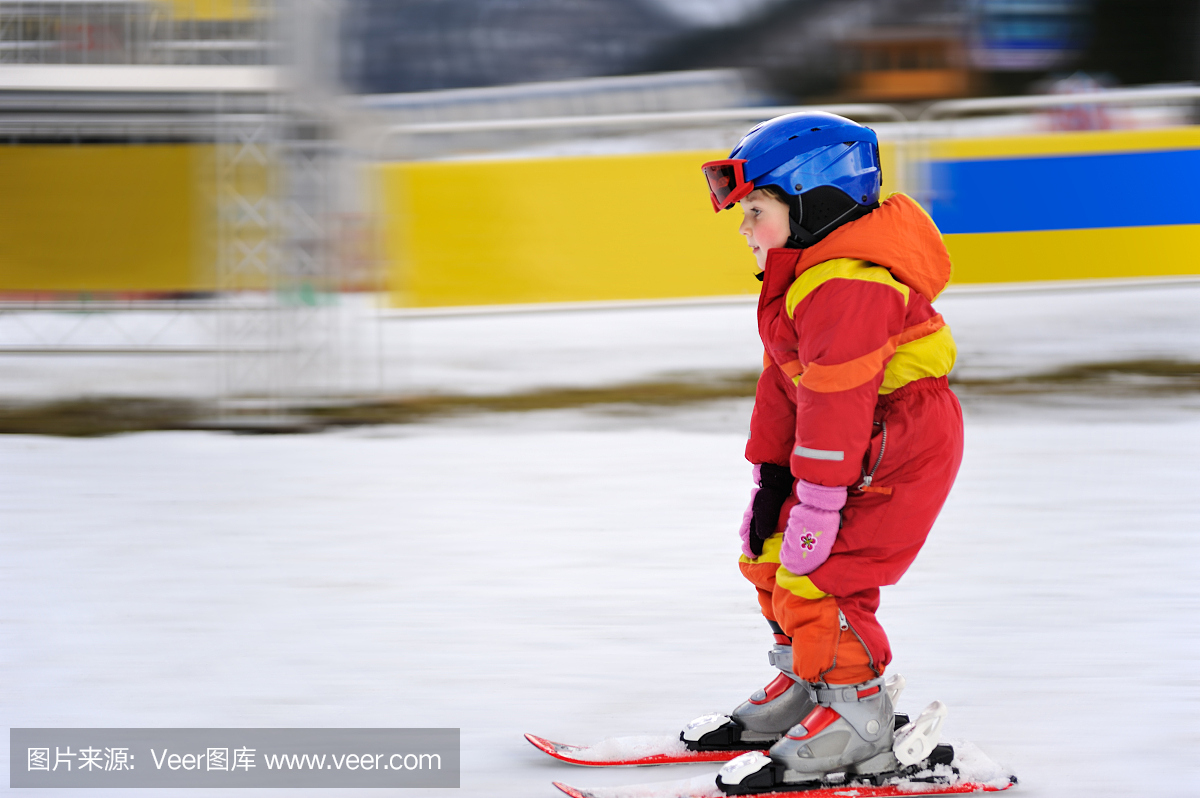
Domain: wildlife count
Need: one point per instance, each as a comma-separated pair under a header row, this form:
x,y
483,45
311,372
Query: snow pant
x,y
829,614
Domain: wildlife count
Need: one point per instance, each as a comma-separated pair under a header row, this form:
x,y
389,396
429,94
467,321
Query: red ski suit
x,y
853,349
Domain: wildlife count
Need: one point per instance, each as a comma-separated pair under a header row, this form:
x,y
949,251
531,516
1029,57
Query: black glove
x,y
774,486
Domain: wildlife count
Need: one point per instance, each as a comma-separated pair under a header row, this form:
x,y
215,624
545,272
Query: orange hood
x,y
897,235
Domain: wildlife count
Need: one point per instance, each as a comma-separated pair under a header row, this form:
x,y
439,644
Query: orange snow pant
x,y
822,651
830,614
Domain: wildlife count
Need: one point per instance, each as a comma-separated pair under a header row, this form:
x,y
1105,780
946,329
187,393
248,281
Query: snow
x,y
696,787
571,573
976,766
634,747
1001,332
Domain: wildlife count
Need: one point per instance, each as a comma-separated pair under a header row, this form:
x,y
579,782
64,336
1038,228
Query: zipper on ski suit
x,y
843,625
866,480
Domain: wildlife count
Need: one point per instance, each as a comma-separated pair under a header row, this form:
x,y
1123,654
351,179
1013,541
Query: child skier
x,y
855,439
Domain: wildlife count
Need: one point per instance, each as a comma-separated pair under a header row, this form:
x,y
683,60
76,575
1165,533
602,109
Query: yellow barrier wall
x,y
1068,206
641,227
100,218
1095,254
217,10
134,218
561,230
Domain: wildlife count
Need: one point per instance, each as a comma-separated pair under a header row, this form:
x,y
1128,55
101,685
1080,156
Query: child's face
x,y
764,224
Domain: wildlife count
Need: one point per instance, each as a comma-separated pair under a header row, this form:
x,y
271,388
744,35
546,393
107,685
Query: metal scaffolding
x,y
137,32
227,78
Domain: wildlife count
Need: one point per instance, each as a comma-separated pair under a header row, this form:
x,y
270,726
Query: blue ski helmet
x,y
800,153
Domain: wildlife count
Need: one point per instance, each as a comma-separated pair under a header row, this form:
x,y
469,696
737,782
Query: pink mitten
x,y
748,516
812,526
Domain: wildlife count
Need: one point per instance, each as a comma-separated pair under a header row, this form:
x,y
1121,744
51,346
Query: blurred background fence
x,y
236,201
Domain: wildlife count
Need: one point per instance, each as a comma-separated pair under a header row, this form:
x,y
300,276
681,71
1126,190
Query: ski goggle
x,y
726,182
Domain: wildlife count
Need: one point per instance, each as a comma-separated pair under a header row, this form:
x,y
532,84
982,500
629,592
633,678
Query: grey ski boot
x,y
852,729
851,732
762,719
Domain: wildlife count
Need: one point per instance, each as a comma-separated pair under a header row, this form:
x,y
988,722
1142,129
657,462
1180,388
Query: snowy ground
x,y
572,574
1000,334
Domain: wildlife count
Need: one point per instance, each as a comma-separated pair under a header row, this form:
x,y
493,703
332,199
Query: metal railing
x,y
983,105
944,109
861,111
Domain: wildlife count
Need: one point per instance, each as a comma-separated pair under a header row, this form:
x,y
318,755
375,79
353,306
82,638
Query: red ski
x,y
705,788
628,752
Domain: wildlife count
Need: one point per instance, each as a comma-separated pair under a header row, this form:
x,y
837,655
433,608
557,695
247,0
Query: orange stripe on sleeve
x,y
927,327
793,369
853,373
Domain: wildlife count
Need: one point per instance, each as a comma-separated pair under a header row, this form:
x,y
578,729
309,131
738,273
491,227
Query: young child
x,y
855,438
